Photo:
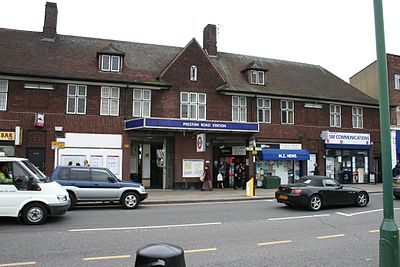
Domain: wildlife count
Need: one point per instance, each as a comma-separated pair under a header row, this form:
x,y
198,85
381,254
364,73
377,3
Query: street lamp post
x,y
389,233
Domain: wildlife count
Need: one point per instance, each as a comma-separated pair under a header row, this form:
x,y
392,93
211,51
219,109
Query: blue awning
x,y
284,154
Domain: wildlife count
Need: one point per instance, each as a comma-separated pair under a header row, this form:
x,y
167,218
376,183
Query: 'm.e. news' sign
x,y
348,138
287,156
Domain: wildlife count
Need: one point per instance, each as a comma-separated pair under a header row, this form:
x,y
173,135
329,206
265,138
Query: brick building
x,y
157,113
366,80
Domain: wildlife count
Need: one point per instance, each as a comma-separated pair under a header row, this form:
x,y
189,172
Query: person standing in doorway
x,y
316,169
207,185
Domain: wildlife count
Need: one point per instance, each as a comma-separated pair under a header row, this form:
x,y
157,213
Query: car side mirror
x,y
111,180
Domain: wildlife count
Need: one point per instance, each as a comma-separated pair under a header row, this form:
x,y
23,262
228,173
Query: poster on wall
x,y
113,164
192,167
96,161
73,159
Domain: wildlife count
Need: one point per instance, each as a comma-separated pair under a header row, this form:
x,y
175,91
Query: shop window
x,y
287,112
76,99
141,103
239,108
335,116
193,106
109,104
357,117
264,110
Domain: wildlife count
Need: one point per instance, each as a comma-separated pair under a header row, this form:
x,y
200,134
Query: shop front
x,y
283,163
347,156
171,153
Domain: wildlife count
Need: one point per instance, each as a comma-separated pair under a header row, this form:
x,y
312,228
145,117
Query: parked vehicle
x,y
315,192
25,192
396,187
90,184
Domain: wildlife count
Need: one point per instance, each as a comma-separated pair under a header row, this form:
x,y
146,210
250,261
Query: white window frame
x,y
143,101
109,59
287,112
257,77
398,115
397,81
193,103
264,107
357,117
76,97
193,73
3,94
335,112
109,99
239,108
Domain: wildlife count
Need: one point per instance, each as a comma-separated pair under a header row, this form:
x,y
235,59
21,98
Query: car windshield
x,y
42,177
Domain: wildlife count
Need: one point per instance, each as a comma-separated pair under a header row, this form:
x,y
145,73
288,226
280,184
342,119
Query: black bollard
x,y
155,255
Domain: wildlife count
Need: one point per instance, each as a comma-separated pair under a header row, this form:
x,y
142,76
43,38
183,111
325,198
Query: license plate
x,y
283,197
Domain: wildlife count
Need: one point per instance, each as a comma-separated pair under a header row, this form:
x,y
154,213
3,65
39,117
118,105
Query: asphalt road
x,y
249,233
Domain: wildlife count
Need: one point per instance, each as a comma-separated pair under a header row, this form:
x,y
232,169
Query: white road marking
x,y
107,258
145,227
275,243
298,217
200,250
18,263
362,212
330,236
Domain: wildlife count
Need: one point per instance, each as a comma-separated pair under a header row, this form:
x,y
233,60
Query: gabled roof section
x,y
22,53
288,79
111,50
254,66
192,42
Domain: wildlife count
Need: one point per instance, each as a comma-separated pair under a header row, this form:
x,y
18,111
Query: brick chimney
x,y
210,39
50,22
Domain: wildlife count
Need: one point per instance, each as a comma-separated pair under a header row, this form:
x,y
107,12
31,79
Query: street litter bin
x,y
272,182
162,254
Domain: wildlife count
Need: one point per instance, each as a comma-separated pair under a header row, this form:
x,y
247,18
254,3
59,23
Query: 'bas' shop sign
x,y
7,136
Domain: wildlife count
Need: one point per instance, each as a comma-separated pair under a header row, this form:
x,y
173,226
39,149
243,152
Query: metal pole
x,y
389,233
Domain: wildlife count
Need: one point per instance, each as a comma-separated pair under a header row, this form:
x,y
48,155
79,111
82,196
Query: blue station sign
x,y
178,124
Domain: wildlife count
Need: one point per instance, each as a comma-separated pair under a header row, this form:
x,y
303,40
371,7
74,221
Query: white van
x,y
25,192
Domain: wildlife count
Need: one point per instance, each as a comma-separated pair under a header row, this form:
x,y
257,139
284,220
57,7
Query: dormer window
x,y
110,63
257,77
193,73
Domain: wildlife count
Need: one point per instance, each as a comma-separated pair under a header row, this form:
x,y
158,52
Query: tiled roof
x,y
70,57
285,78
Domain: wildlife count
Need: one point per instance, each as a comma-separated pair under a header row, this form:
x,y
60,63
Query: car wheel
x,y
130,200
314,202
72,197
34,213
362,199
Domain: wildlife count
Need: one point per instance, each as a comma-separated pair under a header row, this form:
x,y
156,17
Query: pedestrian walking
x,y
316,169
221,176
396,169
207,185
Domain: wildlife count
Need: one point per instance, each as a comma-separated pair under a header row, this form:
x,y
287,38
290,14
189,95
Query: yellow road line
x,y
18,263
107,258
275,243
201,250
373,231
330,236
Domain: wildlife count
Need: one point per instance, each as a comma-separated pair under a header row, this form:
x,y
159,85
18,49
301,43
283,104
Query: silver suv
x,y
88,184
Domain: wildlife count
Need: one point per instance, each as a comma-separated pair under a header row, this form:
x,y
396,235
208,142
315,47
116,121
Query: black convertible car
x,y
315,192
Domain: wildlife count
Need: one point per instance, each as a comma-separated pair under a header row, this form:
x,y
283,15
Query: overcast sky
x,y
338,35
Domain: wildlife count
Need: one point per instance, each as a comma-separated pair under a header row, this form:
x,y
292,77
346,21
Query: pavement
x,y
168,196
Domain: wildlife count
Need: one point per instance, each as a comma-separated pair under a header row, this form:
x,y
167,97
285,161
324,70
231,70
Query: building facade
x,y
366,80
157,114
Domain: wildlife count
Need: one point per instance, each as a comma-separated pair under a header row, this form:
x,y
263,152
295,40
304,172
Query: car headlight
x,y
62,198
142,188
